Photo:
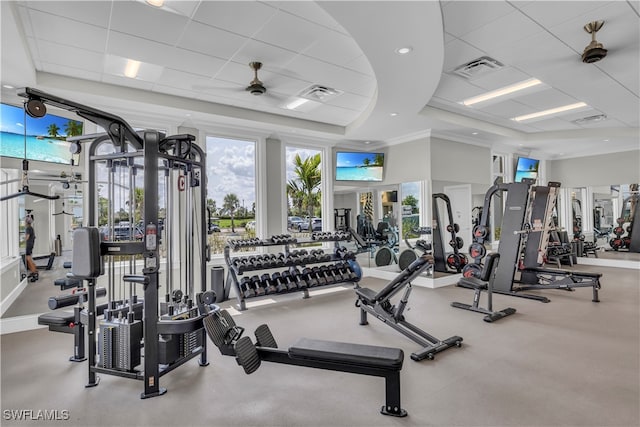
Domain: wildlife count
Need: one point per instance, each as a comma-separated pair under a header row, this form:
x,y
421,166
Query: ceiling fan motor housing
x,y
594,52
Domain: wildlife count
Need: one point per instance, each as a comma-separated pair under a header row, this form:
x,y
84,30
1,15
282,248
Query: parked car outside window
x,y
293,222
316,225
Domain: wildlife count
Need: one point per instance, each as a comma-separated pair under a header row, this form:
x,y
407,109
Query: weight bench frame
x,y
48,266
376,361
485,282
379,305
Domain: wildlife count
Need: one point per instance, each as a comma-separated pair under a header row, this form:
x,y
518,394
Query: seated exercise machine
x,y
71,322
379,305
376,361
484,283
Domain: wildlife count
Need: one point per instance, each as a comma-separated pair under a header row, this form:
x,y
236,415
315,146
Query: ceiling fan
x,y
255,86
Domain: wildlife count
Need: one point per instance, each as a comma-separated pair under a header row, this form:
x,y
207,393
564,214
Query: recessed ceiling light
x,y
605,140
474,133
8,87
131,69
367,142
404,50
502,91
393,114
549,112
155,3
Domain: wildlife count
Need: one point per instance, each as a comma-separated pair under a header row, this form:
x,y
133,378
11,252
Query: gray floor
x,y
570,362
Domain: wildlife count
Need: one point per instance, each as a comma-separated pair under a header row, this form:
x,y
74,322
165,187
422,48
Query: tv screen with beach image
x,y
358,166
526,168
45,138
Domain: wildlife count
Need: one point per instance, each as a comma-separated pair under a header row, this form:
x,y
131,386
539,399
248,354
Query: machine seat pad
x,y
570,272
367,294
347,353
473,283
63,318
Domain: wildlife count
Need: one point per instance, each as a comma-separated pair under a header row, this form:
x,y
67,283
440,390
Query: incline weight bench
x,y
336,356
380,306
484,283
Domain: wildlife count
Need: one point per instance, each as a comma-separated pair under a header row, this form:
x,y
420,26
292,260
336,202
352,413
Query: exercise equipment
x,y
149,161
379,304
342,219
484,283
446,263
360,359
340,266
47,265
410,254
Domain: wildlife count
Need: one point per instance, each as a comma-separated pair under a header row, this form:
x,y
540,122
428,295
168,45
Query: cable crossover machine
x,y
149,326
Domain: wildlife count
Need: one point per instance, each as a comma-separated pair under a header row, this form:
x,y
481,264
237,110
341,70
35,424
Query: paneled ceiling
x,y
194,68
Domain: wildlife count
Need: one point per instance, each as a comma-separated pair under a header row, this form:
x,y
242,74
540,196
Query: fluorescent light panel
x,y
549,112
296,103
132,68
502,91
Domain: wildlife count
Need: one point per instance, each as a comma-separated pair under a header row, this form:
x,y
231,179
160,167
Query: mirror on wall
x,y
613,212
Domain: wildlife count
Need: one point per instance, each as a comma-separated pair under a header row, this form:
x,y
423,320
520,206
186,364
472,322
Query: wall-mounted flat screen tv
x,y
45,137
359,166
526,168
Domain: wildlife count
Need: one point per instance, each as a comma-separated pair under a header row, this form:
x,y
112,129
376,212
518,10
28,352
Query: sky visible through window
x,y
231,168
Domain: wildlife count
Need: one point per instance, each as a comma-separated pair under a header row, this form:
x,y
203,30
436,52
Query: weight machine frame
x,y
151,146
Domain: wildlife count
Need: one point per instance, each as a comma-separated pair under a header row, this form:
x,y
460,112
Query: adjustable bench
x,y
361,359
379,305
484,283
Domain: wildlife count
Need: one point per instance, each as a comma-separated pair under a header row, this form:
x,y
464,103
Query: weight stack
x,y
119,345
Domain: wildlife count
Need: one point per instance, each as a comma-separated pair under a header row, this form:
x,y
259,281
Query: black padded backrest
x,y
554,237
382,227
405,276
490,264
564,237
86,262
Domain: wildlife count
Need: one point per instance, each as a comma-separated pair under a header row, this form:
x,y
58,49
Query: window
x,y
304,189
9,185
410,193
231,190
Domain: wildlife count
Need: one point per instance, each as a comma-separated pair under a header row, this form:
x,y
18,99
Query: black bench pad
x,y
56,319
347,353
367,294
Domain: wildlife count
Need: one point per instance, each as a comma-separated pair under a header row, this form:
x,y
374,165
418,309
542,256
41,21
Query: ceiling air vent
x,y
320,93
590,119
478,67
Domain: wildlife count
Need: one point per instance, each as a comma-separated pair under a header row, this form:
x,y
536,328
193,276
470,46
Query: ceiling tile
x,y
182,80
239,17
156,24
125,81
175,91
504,110
549,98
500,78
456,89
310,11
65,31
69,56
211,41
137,48
331,75
271,56
88,12
506,30
193,62
350,101
360,64
335,48
462,17
553,13
290,32
552,124
72,72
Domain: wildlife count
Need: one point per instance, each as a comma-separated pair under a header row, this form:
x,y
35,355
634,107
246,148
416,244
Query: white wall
x,y
605,169
408,162
458,162
275,203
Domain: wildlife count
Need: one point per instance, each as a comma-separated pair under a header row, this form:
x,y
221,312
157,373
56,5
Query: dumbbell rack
x,y
290,260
